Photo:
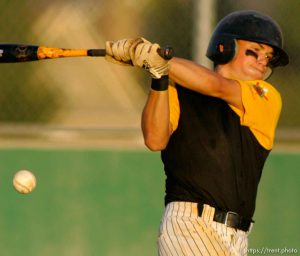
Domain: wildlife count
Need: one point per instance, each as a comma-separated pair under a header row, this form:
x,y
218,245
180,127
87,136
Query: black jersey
x,y
211,157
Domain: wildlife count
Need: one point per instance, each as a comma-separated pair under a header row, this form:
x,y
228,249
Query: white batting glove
x,y
144,55
118,52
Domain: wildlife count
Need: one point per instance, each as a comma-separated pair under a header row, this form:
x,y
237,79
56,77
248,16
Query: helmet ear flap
x,y
268,73
222,51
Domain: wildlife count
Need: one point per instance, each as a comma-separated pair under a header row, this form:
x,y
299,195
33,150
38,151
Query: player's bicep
x,y
230,91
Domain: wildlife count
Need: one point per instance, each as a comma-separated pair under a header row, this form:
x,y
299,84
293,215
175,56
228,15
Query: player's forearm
x,y
194,77
156,120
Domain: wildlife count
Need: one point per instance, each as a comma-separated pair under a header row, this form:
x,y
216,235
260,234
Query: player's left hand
x,y
145,55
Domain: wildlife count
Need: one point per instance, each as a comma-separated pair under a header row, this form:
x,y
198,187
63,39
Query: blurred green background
x,y
75,123
109,202
87,202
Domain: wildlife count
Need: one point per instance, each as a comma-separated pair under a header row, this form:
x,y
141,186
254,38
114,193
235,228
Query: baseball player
x,y
214,128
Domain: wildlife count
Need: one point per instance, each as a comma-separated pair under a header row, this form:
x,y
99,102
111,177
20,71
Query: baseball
x,y
24,181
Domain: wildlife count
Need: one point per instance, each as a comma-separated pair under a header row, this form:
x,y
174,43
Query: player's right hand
x,y
118,52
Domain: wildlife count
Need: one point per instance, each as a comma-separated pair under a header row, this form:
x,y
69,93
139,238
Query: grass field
x,y
109,202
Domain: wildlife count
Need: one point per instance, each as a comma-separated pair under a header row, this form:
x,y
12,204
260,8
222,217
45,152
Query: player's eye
x,y
269,57
254,54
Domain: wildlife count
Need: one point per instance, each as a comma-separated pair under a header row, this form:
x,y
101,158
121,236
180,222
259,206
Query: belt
x,y
230,219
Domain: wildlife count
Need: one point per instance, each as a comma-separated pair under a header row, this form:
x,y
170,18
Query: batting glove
x,y
119,52
145,56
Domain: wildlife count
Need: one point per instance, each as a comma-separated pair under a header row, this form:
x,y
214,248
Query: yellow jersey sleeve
x,y
262,107
173,106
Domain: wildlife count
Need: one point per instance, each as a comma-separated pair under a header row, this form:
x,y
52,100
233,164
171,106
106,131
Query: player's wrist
x,y
160,84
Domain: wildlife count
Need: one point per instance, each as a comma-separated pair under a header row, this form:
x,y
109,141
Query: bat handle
x,y
166,52
96,52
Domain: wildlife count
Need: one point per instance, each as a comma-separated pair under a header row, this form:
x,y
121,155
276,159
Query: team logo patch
x,y
261,91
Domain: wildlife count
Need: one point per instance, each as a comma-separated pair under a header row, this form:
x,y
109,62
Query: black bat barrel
x,y
17,53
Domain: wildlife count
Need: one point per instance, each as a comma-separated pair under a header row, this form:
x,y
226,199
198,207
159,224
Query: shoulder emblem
x,y
260,90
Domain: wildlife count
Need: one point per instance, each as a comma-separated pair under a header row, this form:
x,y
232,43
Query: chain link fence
x,y
89,94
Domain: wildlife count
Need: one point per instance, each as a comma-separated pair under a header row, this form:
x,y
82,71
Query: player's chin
x,y
256,74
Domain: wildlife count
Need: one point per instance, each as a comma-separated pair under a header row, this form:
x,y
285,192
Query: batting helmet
x,y
246,25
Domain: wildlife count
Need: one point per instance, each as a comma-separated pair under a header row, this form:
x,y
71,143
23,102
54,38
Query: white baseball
x,y
24,181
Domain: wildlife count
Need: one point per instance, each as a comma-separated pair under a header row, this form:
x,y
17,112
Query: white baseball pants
x,y
183,233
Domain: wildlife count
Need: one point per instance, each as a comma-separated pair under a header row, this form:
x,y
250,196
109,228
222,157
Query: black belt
x,y
230,219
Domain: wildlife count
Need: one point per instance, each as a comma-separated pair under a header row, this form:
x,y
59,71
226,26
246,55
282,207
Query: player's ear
x,y
235,48
220,48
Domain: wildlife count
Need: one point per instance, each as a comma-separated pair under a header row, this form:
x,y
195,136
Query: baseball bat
x,y
12,52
